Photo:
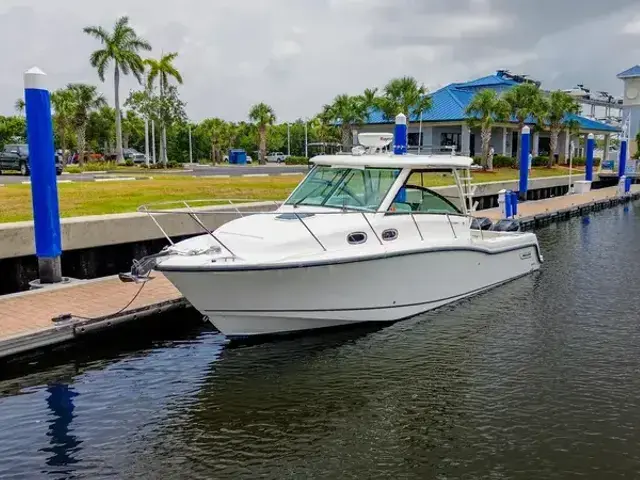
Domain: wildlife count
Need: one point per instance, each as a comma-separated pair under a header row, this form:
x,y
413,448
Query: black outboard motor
x,y
481,223
506,225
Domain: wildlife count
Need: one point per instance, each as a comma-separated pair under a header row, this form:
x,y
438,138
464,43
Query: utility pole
x,y
306,140
146,141
288,139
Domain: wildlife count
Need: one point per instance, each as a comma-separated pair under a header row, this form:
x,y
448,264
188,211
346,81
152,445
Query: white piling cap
x,y
590,136
401,119
526,130
35,78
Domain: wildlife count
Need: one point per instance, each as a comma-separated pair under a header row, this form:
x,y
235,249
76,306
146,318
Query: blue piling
x,y
524,162
44,189
400,135
622,164
591,145
508,204
514,203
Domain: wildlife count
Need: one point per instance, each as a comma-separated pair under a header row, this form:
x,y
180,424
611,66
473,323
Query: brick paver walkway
x,y
32,311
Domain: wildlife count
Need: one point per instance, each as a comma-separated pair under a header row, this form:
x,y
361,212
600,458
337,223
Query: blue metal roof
x,y
630,73
450,104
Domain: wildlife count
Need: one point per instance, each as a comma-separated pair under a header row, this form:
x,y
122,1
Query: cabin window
x,y
357,238
352,188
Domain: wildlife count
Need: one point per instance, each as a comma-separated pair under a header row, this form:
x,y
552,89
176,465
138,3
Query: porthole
x,y
357,238
390,234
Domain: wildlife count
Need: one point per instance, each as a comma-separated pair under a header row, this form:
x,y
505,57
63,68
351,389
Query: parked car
x,y
128,154
277,157
16,157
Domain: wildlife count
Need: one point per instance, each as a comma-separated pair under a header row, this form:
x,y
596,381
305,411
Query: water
x,y
537,379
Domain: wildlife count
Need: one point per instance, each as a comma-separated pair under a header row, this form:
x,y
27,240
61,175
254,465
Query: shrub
x,y
501,161
540,161
296,161
73,169
98,166
173,164
129,163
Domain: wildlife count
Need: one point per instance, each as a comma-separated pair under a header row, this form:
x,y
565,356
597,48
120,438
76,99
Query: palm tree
x,y
370,98
19,106
120,47
555,112
62,101
263,116
85,99
162,69
485,109
523,100
348,111
404,95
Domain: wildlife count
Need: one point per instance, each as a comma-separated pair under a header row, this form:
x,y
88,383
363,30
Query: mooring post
x,y
622,163
400,135
44,189
591,145
524,162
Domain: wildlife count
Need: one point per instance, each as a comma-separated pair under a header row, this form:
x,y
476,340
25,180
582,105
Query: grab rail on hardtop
x,y
194,213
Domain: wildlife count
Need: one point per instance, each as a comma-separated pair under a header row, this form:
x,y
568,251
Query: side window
x,y
8,148
423,200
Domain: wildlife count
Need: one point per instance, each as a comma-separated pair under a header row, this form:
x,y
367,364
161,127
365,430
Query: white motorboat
x,y
360,239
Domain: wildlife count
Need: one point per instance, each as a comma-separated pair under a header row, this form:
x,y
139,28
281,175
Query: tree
x,y
19,105
120,47
263,116
485,109
348,111
404,95
85,100
132,129
12,129
524,102
555,112
101,130
162,70
63,107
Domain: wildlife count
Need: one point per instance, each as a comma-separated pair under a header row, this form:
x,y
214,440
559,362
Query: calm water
x,y
536,380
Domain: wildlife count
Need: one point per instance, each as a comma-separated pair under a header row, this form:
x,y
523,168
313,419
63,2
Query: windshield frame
x,y
340,182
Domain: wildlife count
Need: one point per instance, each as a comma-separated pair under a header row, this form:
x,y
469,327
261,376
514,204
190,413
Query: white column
x,y
535,148
465,140
504,141
563,148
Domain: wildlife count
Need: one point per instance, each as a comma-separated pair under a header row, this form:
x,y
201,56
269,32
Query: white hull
x,y
251,302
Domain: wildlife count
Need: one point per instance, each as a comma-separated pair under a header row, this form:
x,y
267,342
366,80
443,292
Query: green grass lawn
x,y
91,198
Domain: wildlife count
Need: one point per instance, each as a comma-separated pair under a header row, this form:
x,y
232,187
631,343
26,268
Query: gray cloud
x,y
298,54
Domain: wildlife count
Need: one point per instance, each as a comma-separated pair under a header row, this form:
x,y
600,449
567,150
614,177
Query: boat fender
x,y
506,225
481,223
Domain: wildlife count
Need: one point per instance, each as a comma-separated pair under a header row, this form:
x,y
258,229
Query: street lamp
x,y
306,139
288,139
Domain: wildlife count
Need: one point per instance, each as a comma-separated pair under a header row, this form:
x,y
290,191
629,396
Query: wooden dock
x,y
40,318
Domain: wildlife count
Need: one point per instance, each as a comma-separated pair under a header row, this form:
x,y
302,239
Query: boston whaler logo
x,y
525,255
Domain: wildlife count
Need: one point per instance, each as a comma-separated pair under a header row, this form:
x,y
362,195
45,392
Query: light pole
x,y
190,146
306,140
153,141
146,140
288,139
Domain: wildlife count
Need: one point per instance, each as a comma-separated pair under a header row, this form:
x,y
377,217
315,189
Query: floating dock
x,y
42,318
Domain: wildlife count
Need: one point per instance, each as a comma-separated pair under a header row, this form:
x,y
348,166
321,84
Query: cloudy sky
x,y
298,54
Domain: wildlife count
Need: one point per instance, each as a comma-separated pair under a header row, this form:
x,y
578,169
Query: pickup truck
x,y
277,157
16,157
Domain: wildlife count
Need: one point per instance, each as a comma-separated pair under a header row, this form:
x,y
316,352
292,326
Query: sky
x,y
297,55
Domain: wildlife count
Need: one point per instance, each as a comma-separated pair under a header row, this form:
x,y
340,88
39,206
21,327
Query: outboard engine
x,y
481,223
506,225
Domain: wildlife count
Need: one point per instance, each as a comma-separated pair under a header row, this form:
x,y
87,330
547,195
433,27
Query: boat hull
x,y
258,301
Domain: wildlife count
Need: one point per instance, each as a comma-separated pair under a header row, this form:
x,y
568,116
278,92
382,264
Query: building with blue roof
x,y
445,124
631,103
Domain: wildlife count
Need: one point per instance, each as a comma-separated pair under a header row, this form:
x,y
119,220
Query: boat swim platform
x,y
37,319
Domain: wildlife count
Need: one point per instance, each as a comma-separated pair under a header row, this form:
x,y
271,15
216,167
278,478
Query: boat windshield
x,y
356,188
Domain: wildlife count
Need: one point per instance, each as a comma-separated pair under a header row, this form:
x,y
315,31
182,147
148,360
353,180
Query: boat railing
x,y
236,208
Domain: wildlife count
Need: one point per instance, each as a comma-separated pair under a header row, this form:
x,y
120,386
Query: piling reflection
x,y
64,446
